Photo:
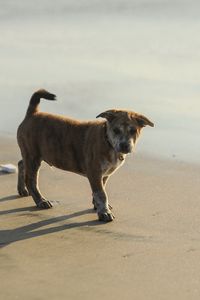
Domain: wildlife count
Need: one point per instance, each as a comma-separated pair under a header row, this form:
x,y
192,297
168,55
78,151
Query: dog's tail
x,y
35,100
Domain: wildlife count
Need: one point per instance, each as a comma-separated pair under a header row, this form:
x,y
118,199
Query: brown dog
x,y
92,149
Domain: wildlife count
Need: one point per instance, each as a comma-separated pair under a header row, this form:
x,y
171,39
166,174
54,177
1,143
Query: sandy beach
x,y
151,250
96,55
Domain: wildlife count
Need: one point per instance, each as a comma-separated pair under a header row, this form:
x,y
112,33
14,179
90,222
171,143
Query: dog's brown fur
x,y
91,149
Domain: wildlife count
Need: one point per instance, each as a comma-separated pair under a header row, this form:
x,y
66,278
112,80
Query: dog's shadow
x,y
36,229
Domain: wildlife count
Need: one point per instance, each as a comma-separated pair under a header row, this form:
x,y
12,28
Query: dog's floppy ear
x,y
109,115
143,121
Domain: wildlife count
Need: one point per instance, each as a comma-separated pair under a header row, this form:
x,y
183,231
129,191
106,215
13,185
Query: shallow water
x,y
95,55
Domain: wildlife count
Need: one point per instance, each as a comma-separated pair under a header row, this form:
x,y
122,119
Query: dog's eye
x,y
132,131
116,130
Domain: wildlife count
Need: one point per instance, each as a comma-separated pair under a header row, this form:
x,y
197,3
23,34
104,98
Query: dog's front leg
x,y
105,179
100,199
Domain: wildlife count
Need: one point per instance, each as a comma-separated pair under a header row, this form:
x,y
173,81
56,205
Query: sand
x,y
150,251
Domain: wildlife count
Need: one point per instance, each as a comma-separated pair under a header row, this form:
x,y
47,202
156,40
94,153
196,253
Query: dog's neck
x,y
120,155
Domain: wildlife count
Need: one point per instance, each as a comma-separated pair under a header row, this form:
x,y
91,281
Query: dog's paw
x,y
44,204
106,216
23,192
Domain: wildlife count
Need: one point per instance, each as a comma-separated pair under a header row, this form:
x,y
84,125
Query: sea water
x,y
95,55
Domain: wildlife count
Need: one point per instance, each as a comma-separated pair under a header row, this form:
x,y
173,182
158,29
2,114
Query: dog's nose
x,y
124,147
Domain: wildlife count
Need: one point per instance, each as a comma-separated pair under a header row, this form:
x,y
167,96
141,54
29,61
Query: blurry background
x,y
98,54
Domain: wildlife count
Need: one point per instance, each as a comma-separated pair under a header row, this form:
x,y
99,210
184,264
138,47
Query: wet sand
x,y
151,250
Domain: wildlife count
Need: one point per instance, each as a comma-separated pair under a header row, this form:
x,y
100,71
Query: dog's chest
x,y
110,166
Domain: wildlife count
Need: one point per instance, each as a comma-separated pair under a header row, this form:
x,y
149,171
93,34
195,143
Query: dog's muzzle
x,y
125,148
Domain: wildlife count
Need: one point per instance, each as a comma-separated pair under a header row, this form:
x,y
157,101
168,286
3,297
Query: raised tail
x,y
35,100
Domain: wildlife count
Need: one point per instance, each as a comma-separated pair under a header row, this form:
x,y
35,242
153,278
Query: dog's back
x,y
58,140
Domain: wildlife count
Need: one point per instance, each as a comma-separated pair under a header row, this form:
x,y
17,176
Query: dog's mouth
x,y
125,152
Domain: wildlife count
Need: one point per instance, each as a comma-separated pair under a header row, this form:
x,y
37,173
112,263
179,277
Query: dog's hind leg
x,y
31,179
21,186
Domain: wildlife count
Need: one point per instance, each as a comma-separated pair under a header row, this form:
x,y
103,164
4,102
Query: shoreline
x,y
139,153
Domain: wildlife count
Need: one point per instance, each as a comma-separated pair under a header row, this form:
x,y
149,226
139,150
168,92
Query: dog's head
x,y
123,128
